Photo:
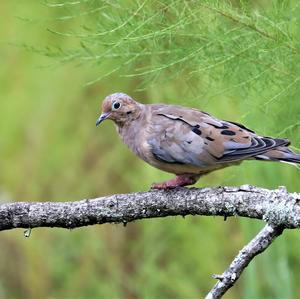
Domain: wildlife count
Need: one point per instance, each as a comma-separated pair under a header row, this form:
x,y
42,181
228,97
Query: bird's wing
x,y
188,136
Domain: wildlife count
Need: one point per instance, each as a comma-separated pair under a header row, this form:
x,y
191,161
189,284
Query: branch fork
x,y
280,209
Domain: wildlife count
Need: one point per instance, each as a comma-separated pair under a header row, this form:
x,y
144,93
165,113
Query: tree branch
x,y
278,208
256,246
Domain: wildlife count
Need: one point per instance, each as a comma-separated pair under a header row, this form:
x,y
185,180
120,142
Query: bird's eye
x,y
116,105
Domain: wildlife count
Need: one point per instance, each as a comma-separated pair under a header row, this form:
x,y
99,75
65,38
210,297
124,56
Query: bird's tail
x,y
281,154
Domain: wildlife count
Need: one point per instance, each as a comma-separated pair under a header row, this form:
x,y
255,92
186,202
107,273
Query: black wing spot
x,y
227,132
177,118
218,127
209,138
128,112
241,126
197,131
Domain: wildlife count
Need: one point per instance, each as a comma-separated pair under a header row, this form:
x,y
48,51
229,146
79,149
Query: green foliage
x,y
201,42
212,51
238,60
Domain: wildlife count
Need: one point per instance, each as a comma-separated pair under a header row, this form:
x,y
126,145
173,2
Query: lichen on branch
x,y
277,207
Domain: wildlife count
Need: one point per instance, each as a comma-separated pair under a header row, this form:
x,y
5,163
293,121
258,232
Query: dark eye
x,y
116,105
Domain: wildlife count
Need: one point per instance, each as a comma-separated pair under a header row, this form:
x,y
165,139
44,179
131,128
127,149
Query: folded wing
x,y
189,136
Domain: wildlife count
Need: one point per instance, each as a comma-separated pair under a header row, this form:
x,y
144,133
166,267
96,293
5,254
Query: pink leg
x,y
180,181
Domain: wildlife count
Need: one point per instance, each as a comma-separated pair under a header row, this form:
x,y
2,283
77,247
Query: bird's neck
x,y
132,127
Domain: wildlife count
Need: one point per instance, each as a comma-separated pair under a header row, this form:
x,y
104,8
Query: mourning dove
x,y
186,141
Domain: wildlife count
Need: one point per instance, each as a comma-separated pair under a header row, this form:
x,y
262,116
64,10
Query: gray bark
x,y
256,246
277,207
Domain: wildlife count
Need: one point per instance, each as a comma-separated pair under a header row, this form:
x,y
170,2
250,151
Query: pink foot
x,y
180,181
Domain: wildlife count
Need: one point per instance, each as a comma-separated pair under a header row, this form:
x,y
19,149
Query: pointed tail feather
x,y
281,154
295,159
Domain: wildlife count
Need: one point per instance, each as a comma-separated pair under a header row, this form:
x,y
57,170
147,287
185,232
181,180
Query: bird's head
x,y
120,108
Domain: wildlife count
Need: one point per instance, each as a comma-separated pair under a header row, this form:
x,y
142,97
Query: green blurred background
x,y
238,60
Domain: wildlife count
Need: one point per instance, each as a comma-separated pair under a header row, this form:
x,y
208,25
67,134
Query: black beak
x,y
101,118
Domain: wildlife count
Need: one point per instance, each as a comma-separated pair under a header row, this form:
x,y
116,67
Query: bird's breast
x,y
132,135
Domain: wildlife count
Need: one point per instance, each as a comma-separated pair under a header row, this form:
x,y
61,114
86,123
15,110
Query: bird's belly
x,y
188,168
178,168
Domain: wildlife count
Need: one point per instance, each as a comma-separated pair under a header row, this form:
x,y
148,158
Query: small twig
x,y
256,246
218,276
248,25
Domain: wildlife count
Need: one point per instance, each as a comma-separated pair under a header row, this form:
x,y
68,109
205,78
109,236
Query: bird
x,y
186,141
